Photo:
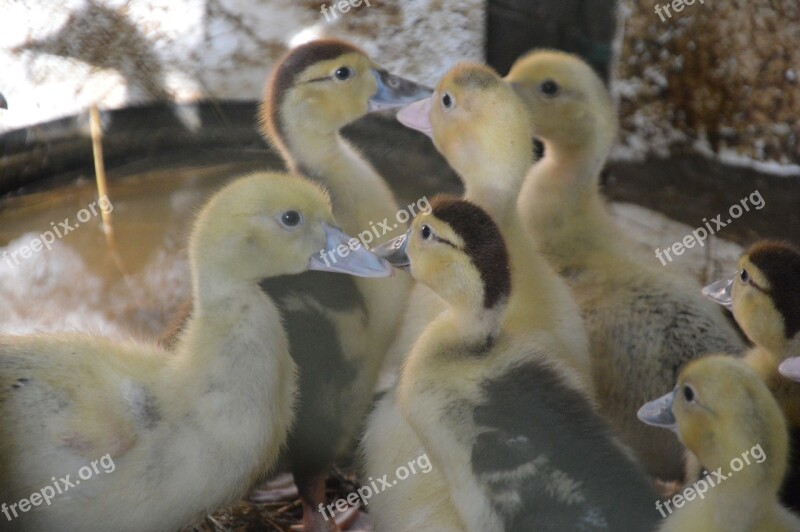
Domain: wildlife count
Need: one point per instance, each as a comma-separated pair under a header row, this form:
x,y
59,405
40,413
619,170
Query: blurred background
x,y
708,100
707,93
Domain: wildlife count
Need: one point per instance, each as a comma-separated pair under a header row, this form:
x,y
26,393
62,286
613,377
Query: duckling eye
x,y
291,219
447,101
688,393
744,276
425,232
549,87
343,73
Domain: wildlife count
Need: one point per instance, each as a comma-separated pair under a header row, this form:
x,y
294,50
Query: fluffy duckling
x,y
313,92
764,296
505,424
177,435
724,413
481,128
643,321
339,328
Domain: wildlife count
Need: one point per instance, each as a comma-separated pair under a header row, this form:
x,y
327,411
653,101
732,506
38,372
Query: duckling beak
x,y
720,292
658,412
345,254
394,251
790,368
394,91
417,116
3,102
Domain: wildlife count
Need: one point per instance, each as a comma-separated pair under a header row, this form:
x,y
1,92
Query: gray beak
x,y
394,251
344,254
3,102
394,91
721,292
790,368
658,412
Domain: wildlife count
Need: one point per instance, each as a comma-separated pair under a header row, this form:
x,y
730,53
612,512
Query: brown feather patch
x,y
780,263
484,244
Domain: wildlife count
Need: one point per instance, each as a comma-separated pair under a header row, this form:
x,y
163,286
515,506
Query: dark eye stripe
x,y
315,80
437,238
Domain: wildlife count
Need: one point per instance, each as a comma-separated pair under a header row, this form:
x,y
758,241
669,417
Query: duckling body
x,y
505,423
339,328
180,434
491,153
643,321
723,412
764,297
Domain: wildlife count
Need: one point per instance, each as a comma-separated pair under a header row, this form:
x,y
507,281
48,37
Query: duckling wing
x,y
72,397
548,462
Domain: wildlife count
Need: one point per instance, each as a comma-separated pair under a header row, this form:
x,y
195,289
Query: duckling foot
x,y
312,496
280,488
341,520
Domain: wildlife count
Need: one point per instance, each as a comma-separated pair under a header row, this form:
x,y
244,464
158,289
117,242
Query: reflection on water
x,y
77,284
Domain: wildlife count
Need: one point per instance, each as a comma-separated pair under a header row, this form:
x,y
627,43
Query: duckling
x,y
178,435
313,92
505,423
481,128
643,320
764,296
339,328
723,413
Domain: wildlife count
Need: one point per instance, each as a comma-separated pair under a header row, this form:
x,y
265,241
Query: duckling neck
x,y
561,202
476,327
358,193
494,182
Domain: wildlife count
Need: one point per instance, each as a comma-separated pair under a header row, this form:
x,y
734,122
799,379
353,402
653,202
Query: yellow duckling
x,y
105,435
643,321
504,422
339,328
481,128
764,296
726,416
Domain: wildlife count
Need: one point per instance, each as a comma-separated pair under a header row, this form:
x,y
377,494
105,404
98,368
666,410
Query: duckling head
x,y
326,84
568,103
721,408
474,119
458,251
764,294
270,224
